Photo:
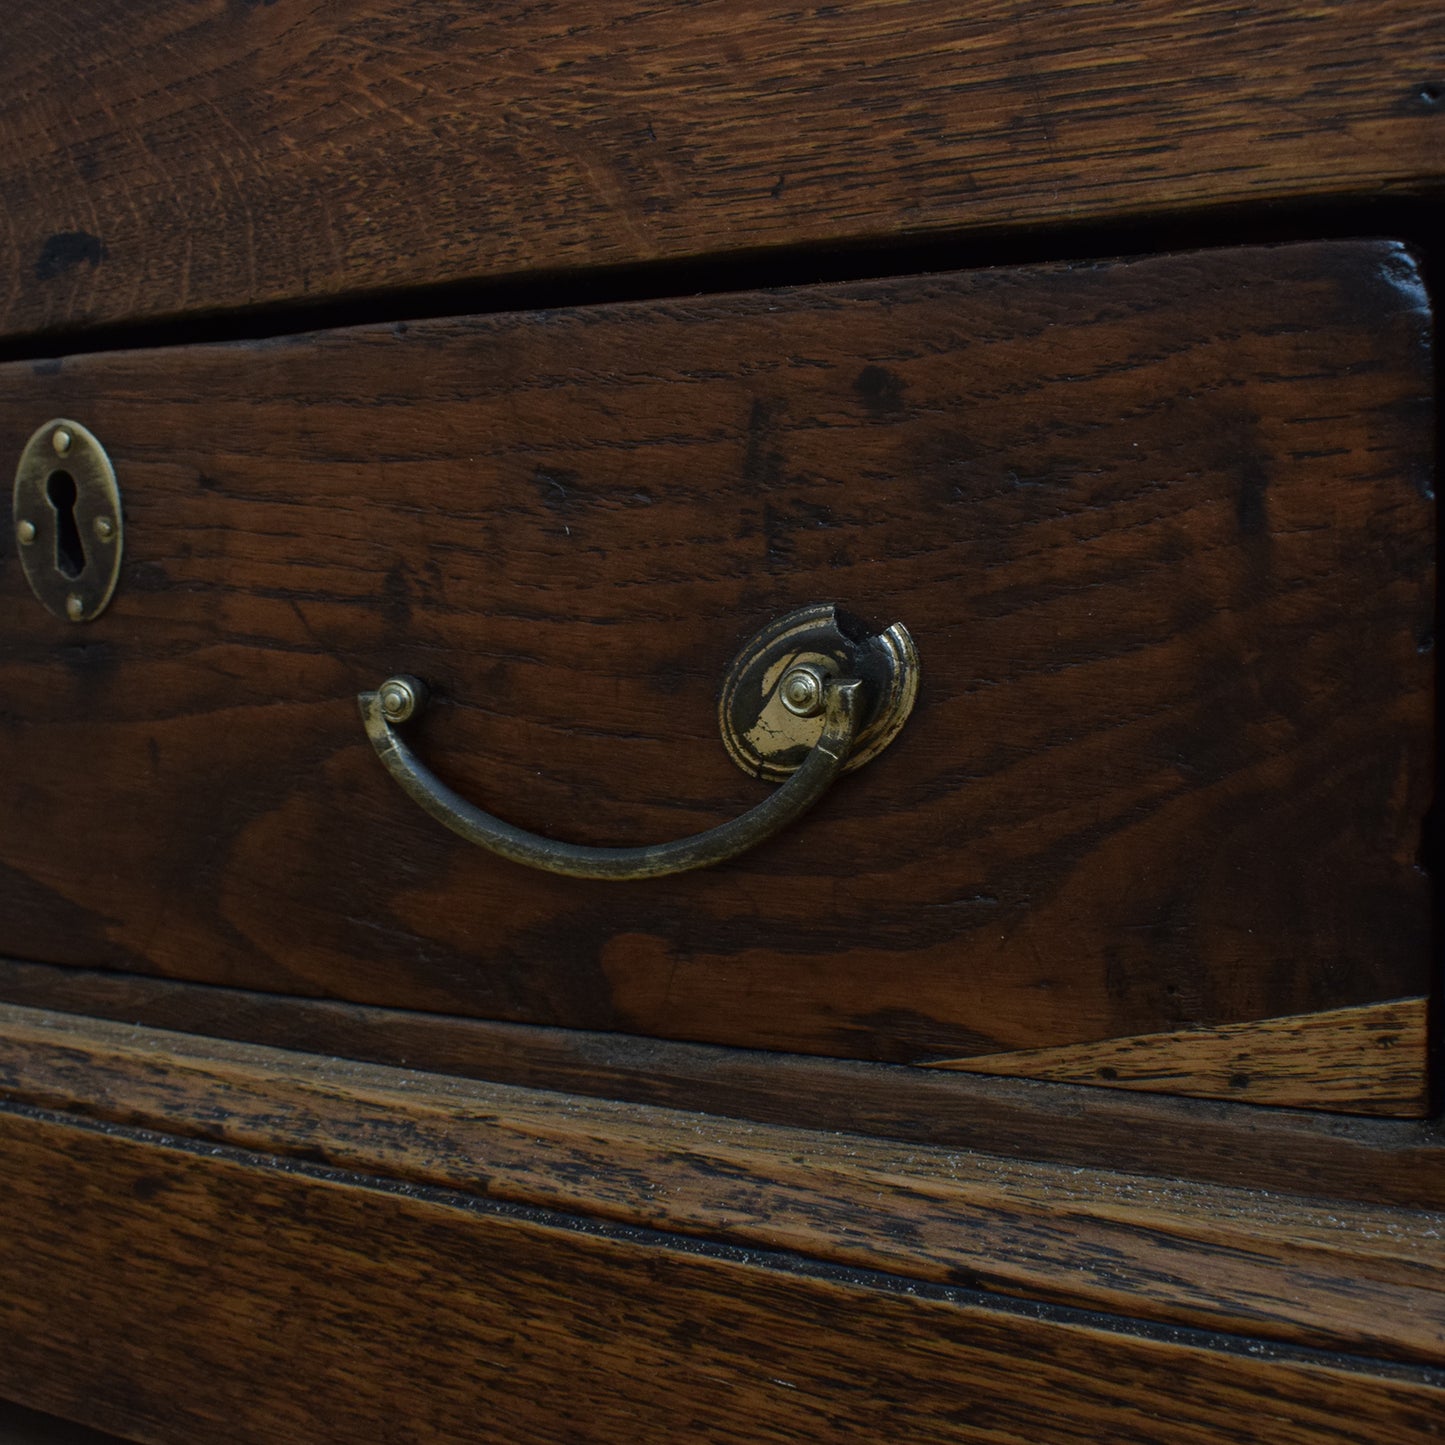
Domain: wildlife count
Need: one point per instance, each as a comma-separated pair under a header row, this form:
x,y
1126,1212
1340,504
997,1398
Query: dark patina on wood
x,y
1161,531
165,160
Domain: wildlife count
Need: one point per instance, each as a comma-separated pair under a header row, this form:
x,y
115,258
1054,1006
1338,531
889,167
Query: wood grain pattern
x,y
1161,530
1372,1060
1359,1278
243,1300
1328,1156
157,160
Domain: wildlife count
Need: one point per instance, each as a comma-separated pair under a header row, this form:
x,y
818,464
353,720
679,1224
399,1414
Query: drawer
x,y
1162,534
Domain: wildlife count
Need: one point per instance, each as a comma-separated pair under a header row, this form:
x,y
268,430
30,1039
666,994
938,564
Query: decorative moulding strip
x,y
175,1293
1328,1155
1365,1279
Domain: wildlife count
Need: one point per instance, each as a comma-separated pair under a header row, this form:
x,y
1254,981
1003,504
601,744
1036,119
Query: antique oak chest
x,y
721,722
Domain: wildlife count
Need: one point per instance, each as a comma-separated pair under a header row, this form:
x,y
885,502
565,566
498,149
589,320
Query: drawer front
x,y
1161,531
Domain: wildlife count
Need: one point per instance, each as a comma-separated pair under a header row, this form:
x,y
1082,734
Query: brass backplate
x,y
766,737
69,529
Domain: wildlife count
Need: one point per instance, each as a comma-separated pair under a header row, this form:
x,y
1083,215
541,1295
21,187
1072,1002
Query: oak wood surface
x,y
1367,1051
1359,1278
246,1299
159,159
1160,528
1327,1156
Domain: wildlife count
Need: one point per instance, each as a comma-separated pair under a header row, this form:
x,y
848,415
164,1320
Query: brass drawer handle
x,y
792,681
792,800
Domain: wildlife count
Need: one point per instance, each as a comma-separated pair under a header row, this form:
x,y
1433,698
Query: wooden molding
x,y
1364,1060
1382,1161
247,1298
1361,1278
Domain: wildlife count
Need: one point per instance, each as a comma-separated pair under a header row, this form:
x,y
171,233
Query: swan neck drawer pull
x,y
804,701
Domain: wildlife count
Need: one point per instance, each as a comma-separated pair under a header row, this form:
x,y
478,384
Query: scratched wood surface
x,y
158,159
1323,1155
1355,1277
246,1298
1160,529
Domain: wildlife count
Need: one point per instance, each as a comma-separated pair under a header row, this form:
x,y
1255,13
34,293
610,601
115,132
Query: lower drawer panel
x,y
1162,533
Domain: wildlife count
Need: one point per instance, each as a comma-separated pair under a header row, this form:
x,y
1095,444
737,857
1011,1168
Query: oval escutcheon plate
x,y
767,733
68,521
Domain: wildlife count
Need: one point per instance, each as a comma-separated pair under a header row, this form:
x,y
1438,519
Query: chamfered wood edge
x,y
230,1279
1396,1162
1330,1275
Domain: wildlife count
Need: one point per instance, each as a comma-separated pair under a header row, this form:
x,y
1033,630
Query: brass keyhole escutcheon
x,y
68,520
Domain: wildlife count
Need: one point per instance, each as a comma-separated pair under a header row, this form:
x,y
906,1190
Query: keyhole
x,y
69,550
